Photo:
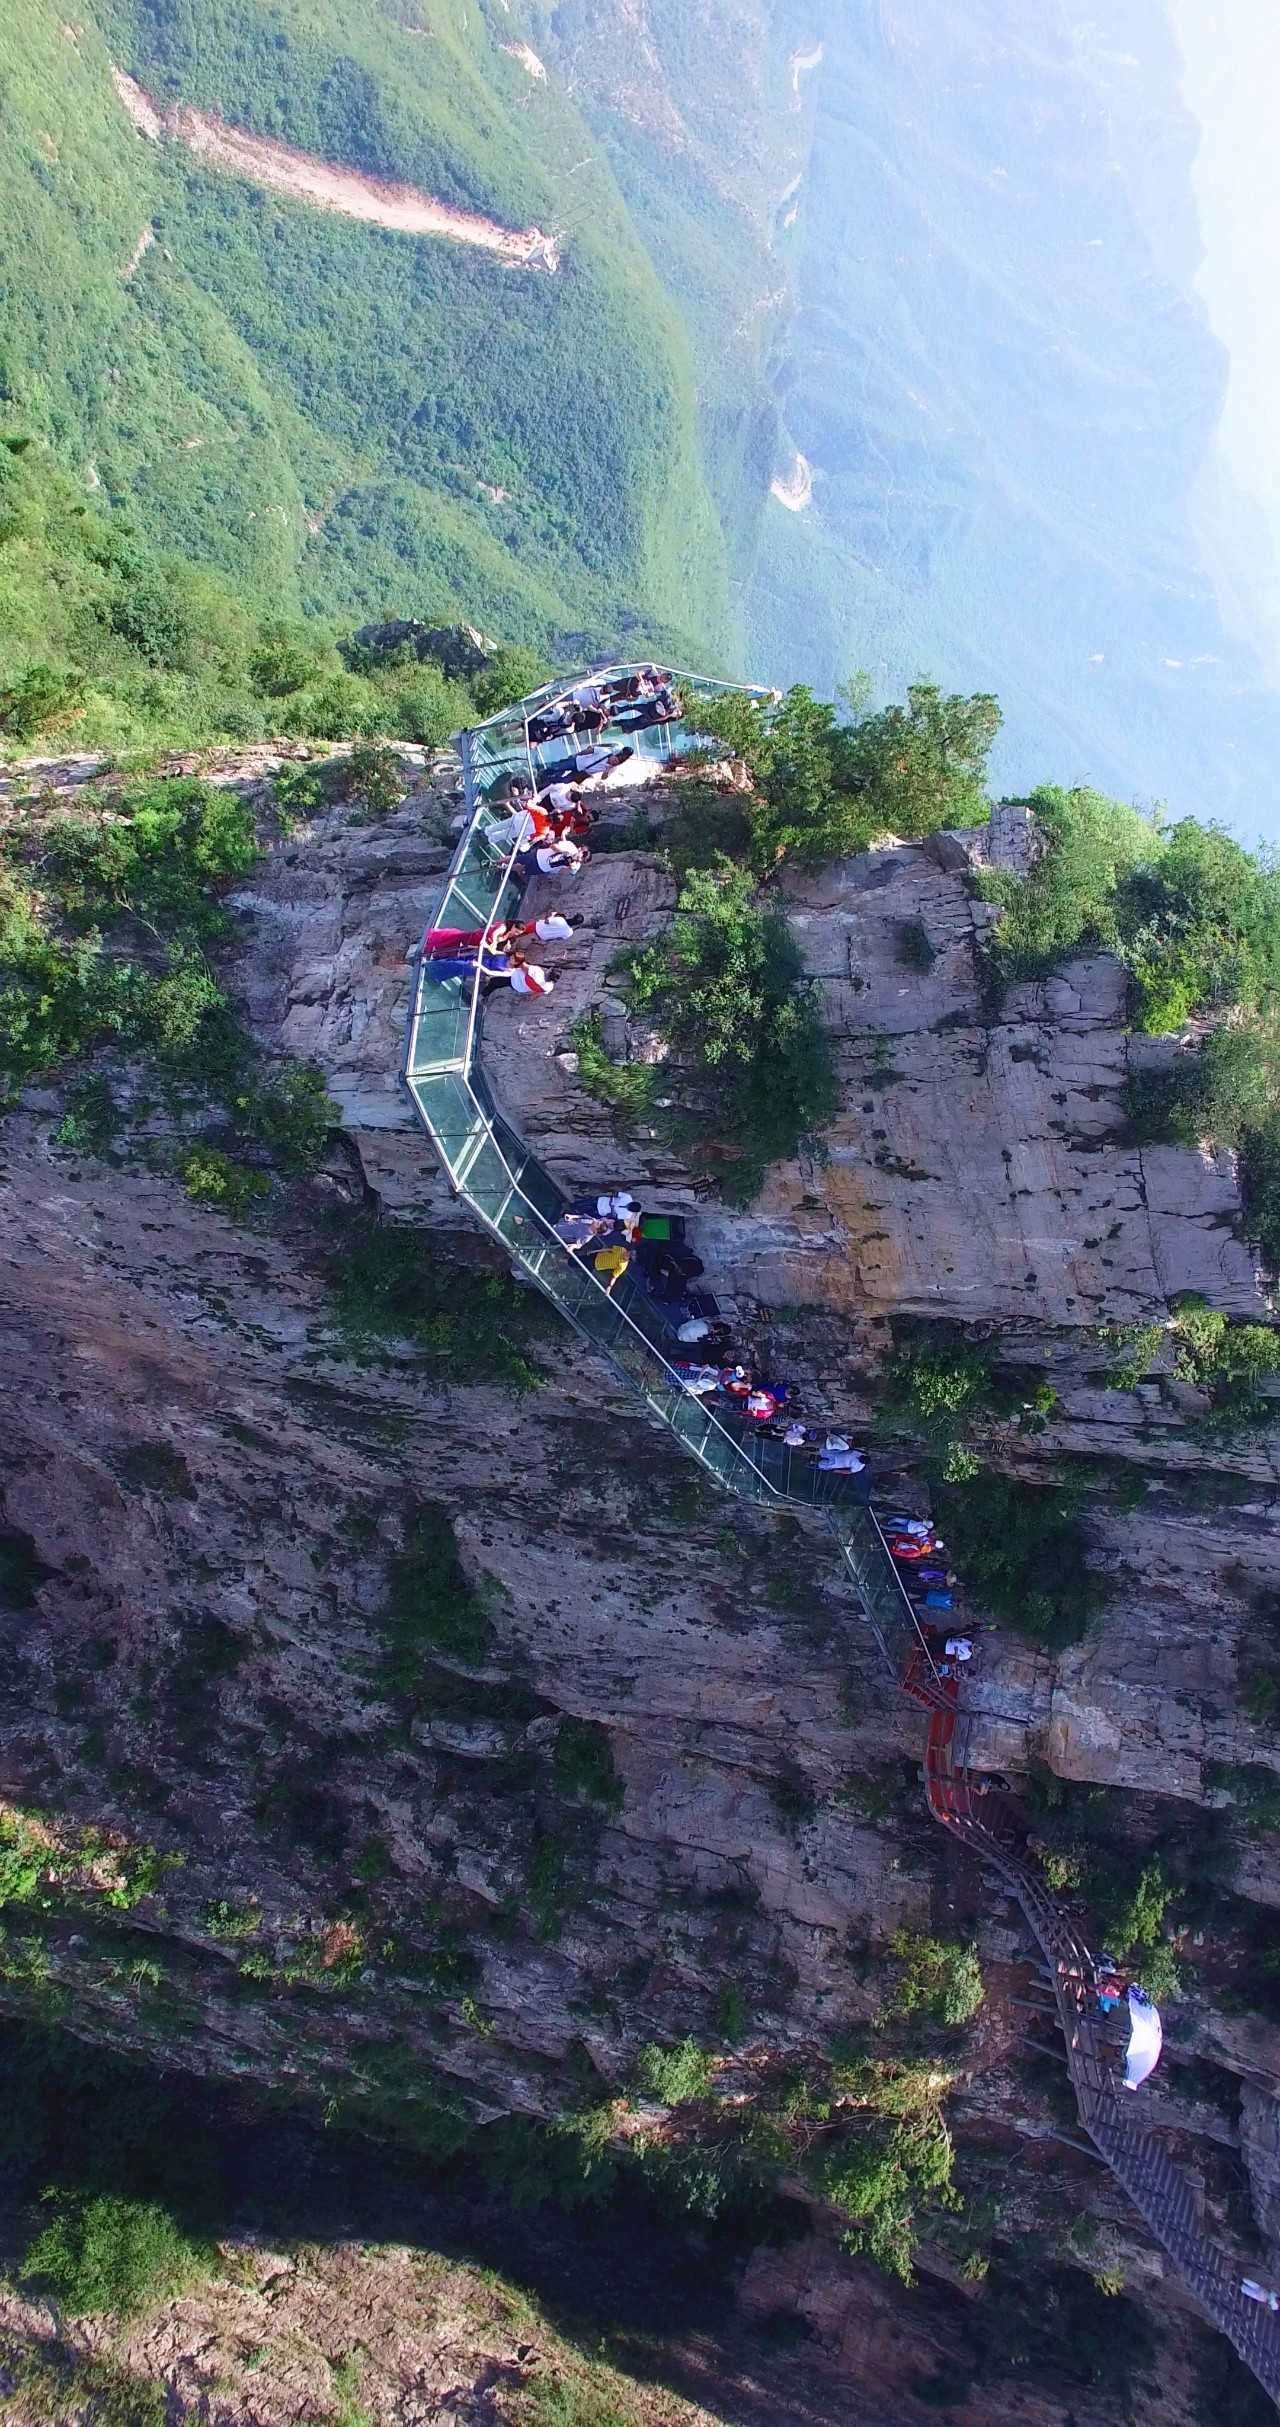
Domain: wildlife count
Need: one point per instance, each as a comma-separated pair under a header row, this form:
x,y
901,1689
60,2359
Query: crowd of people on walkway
x,y
629,702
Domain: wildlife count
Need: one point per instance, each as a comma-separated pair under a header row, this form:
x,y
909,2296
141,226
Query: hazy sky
x,y
1231,50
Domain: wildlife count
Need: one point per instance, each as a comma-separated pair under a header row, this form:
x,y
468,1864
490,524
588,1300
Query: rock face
x,y
216,1491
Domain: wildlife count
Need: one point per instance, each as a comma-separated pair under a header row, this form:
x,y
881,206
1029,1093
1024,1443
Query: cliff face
x,y
216,1491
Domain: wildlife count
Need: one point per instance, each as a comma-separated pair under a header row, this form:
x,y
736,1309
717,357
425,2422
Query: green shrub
x,y
582,1764
940,1978
422,707
292,1115
728,985
376,779
388,1283
91,1120
942,1389
431,1605
512,675
822,789
155,855
1021,1549
212,1178
675,2077
879,2174
55,2385
39,697
1067,902
631,1087
1254,1791
916,949
288,656
116,2255
334,709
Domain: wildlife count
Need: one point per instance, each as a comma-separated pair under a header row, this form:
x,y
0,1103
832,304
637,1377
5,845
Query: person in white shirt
x,y
958,1647
552,928
840,1462
523,977
560,799
551,859
523,827
528,979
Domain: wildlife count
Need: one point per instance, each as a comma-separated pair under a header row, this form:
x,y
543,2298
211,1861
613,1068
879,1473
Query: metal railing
x,y
493,1172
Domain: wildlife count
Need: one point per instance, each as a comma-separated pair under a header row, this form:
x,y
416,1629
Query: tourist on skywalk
x,y
527,823
559,800
551,859
735,1380
915,1526
611,1263
713,1333
1253,2291
495,968
588,764
552,928
579,1229
550,723
910,1547
640,685
844,1461
524,978
700,1380
761,1403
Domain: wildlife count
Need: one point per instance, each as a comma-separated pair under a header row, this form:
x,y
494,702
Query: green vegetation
x,y
1129,1889
320,410
387,1284
1229,1360
941,1978
891,2157
675,2077
942,1389
55,2386
631,1087
727,984
1254,1792
1196,919
822,788
115,2254
211,1178
1021,1549
582,1764
431,1605
141,652
105,921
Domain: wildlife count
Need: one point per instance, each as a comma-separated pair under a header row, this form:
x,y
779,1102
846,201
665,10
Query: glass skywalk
x,y
493,1171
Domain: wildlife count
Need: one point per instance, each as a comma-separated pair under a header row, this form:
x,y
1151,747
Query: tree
x,y
823,789
922,766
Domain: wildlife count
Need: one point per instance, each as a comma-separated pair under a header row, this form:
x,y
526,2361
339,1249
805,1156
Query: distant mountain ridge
x,y
1006,386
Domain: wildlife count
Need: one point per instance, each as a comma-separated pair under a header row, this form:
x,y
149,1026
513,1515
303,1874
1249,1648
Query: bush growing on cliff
x,y
941,1388
583,1764
1021,1549
822,788
940,1979
116,2255
728,985
431,1603
388,1284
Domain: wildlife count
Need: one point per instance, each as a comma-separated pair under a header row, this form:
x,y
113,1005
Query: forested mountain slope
x,y
338,415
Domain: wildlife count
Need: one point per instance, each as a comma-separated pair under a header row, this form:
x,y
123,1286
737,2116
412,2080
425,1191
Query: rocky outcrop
x,y
215,1487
